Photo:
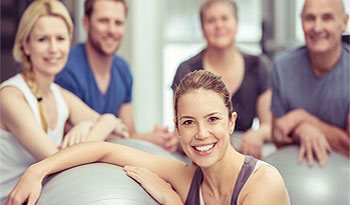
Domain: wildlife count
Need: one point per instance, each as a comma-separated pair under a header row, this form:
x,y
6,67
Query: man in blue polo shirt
x,y
101,78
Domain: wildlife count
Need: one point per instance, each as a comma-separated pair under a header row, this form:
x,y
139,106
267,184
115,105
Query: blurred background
x,y
163,33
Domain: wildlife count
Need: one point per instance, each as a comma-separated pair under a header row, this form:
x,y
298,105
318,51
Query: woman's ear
x,y
25,48
232,122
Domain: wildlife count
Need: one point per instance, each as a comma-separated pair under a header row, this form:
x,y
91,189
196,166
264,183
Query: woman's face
x,y
203,126
48,45
219,25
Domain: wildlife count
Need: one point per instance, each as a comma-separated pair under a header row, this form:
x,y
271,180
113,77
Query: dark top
x,y
256,80
77,77
246,170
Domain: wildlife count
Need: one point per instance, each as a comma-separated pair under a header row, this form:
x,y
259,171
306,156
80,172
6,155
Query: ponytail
x,y
29,79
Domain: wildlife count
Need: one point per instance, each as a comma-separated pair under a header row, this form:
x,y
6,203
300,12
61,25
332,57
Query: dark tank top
x,y
246,170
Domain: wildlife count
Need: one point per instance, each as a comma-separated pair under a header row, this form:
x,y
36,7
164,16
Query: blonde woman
x,y
34,110
218,175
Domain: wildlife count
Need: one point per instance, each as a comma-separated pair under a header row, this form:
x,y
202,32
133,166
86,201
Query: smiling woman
x,y
219,174
34,128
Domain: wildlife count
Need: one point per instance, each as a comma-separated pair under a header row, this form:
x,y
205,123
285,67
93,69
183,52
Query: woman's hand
x,y
77,134
27,189
159,189
121,130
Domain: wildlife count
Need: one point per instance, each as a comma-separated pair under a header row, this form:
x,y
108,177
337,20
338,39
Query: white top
x,y
14,159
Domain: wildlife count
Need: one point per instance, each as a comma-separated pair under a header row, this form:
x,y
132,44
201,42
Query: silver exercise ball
x,y
314,185
99,183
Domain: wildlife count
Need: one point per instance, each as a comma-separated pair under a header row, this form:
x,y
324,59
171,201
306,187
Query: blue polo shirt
x,y
78,78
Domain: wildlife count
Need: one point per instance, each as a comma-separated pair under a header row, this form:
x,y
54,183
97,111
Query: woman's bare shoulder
x,y
265,185
11,92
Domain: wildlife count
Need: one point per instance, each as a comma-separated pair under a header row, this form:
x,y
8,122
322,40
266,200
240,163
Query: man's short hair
x,y
89,5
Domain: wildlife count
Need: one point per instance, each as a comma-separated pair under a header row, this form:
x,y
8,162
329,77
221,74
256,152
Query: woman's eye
x,y
210,20
41,39
224,18
61,38
187,122
213,119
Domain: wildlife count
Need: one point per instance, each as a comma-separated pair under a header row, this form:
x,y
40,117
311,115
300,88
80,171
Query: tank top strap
x,y
247,169
57,133
193,194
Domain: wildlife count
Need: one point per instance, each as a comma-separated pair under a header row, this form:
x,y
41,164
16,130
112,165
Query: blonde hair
x,y
30,80
30,16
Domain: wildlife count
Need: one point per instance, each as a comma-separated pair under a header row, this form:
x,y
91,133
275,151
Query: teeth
x,y
204,148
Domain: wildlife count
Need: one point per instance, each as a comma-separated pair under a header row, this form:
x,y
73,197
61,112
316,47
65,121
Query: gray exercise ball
x,y
98,183
314,185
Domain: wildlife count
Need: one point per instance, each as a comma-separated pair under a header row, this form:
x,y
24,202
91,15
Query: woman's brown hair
x,y
202,79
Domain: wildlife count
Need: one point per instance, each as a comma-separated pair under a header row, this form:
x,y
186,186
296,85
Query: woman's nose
x,y
202,131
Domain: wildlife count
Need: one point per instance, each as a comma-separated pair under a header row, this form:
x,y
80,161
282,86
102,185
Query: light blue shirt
x,y
295,85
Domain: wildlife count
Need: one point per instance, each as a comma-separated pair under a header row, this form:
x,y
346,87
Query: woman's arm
x,y
18,118
154,185
103,125
88,152
253,140
264,114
